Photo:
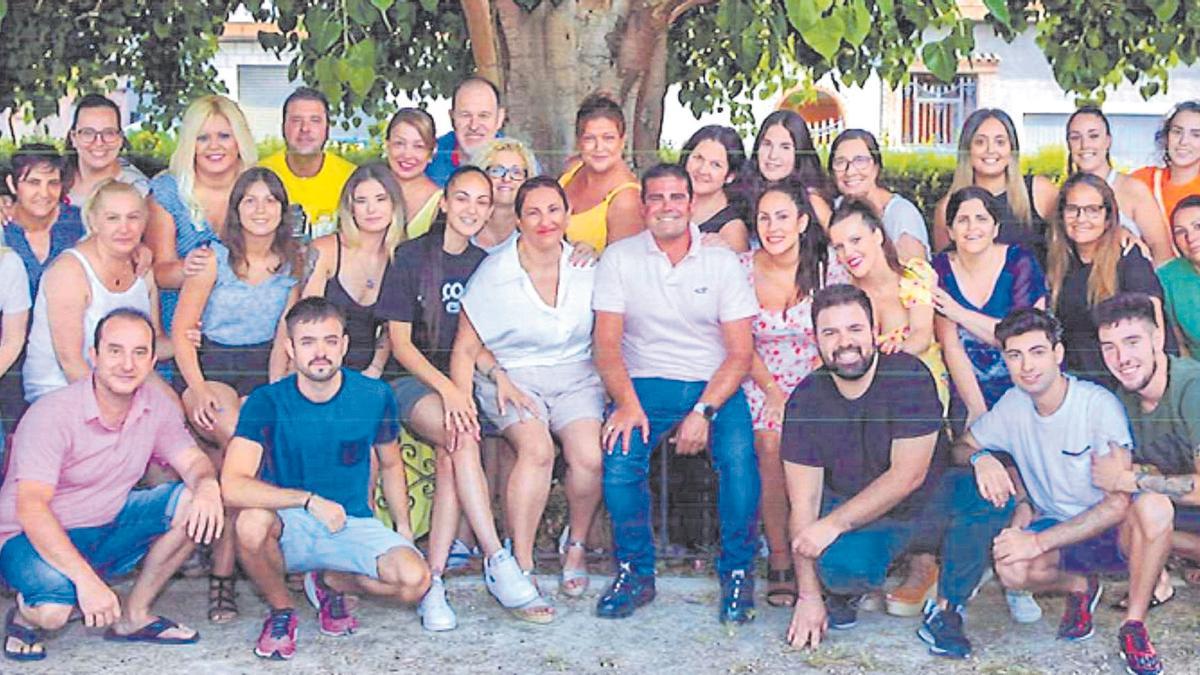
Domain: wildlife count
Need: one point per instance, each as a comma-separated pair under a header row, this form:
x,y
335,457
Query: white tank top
x,y
1126,221
42,374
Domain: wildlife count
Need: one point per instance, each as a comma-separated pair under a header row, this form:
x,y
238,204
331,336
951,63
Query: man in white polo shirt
x,y
673,344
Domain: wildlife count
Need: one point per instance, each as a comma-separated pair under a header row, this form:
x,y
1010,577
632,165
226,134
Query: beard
x,y
310,372
1141,384
852,370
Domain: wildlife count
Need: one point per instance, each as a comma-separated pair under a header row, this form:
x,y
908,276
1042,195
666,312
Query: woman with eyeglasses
x,y
408,147
1178,140
508,164
1087,263
96,141
856,164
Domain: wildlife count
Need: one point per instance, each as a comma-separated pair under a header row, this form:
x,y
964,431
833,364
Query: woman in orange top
x,y
1179,141
602,190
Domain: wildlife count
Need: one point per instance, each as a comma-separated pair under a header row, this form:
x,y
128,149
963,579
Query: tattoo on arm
x,y
1174,487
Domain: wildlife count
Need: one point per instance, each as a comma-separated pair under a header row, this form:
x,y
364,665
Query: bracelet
x,y
306,501
978,455
490,373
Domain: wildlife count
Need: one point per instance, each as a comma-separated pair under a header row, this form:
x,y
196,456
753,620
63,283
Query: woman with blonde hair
x,y
989,156
508,163
189,200
409,144
347,267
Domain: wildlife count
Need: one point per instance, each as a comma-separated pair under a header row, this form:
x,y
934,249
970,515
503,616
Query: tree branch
x,y
682,9
484,45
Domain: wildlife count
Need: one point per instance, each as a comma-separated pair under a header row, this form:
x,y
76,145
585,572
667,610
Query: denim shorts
x,y
1101,553
113,550
243,367
307,545
409,389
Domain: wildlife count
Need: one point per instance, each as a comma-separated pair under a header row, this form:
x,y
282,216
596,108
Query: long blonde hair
x,y
1102,280
183,160
397,231
964,175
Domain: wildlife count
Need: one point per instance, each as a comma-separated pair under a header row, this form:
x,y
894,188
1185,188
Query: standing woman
x,y
1089,140
1179,142
237,301
855,163
989,156
39,225
348,266
784,151
508,164
410,141
1087,263
793,262
96,140
190,199
531,309
713,158
421,300
601,189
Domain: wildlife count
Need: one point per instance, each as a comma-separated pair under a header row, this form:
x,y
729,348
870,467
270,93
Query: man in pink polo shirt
x,y
70,518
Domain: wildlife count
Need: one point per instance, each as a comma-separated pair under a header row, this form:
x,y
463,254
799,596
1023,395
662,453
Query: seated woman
x,y
855,163
793,262
1087,263
979,282
509,164
15,304
531,309
95,277
1179,175
421,299
237,301
409,144
347,268
1089,140
714,157
784,152
602,190
1181,277
96,140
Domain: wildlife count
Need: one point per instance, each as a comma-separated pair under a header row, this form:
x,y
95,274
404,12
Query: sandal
x,y
1155,601
782,596
573,582
536,610
153,633
31,638
222,598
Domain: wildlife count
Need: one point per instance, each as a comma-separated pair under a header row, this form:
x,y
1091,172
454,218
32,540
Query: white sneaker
x,y
435,612
1022,606
506,581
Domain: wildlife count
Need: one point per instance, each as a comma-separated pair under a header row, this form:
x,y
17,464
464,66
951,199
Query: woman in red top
x,y
1179,141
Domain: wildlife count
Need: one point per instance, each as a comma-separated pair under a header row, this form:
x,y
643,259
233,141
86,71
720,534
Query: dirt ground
x,y
678,633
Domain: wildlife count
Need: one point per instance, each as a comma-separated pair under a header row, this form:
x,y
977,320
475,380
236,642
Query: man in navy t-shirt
x,y
299,468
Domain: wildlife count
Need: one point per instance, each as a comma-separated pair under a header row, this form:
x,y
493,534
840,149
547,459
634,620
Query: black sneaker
x,y
627,592
737,598
942,630
841,610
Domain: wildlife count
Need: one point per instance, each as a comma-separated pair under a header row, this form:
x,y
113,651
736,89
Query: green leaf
x,y
1165,9
939,60
383,5
429,5
361,79
802,14
362,54
858,22
999,9
826,36
3,10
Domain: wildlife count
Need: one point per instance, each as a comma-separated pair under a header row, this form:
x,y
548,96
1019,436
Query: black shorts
x,y
242,367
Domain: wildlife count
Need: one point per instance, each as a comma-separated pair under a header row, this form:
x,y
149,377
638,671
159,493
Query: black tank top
x,y
361,323
1012,231
718,220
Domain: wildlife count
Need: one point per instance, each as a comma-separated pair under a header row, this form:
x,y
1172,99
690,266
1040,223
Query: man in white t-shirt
x,y
673,344
1065,530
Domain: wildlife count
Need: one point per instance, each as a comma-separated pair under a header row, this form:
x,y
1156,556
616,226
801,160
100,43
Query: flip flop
x,y
30,636
1123,603
152,633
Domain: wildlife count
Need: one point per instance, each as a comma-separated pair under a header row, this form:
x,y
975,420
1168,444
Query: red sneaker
x,y
278,638
1140,657
334,618
1076,621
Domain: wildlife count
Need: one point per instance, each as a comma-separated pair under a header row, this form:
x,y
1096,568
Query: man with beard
x,y
299,468
1066,529
862,463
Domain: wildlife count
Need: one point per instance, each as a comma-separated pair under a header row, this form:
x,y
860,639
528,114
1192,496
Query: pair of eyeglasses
x,y
860,162
88,135
1073,211
513,172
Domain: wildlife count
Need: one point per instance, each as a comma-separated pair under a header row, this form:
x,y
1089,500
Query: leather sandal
x,y
222,598
781,596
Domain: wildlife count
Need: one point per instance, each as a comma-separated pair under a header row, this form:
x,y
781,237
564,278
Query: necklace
x,y
370,283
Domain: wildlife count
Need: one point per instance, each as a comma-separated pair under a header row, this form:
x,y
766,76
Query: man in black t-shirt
x,y
862,460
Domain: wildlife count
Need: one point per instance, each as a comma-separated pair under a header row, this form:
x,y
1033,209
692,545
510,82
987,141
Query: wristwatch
x,y
978,455
705,410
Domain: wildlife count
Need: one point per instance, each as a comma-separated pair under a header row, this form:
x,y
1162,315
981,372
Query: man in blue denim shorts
x,y
299,468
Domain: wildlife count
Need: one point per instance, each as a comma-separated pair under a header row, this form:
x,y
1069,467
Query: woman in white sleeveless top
x,y
81,287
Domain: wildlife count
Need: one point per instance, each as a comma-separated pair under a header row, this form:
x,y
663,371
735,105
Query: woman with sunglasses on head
x,y
713,158
1089,140
96,141
856,164
784,152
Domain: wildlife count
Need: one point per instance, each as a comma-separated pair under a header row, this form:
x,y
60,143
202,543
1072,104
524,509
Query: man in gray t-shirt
x,y
1064,530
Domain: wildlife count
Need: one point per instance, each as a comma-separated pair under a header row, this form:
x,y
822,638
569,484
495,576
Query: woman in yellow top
x,y
408,146
602,190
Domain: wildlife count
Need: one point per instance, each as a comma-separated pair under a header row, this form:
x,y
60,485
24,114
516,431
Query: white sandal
x,y
573,582
537,610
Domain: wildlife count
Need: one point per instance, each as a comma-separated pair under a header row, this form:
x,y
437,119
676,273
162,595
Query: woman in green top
x,y
1181,276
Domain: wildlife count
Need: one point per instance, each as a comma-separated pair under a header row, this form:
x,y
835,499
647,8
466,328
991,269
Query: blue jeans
x,y
857,561
627,488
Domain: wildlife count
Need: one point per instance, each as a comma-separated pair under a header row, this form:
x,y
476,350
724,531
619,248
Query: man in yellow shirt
x,y
313,177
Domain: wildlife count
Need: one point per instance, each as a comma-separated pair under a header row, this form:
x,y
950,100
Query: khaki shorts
x,y
561,394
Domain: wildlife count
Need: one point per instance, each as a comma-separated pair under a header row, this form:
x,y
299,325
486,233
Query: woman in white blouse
x,y
527,325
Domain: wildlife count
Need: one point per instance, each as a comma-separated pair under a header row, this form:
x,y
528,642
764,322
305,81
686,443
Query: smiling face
x,y
1032,361
600,144
507,171
468,204
666,207
317,348
1183,139
39,191
1185,230
854,169
476,116
708,165
259,211
1129,350
1084,214
371,206
991,149
973,229
407,153
124,356
543,218
845,340
776,153
216,146
305,127
780,223
1089,142
97,137
118,220
858,246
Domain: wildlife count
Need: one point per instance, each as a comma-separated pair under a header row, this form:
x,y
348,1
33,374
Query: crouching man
x,y
299,467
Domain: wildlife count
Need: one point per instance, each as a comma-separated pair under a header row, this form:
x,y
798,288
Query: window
x,y
932,111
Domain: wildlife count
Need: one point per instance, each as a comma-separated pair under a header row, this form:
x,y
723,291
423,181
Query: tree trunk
x,y
554,56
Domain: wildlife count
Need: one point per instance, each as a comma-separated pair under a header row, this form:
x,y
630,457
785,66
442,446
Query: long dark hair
x,y
283,245
959,197
429,286
807,171
735,151
814,244
1160,136
868,139
1096,112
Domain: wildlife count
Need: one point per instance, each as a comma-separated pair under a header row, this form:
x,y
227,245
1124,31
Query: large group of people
x,y
224,356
